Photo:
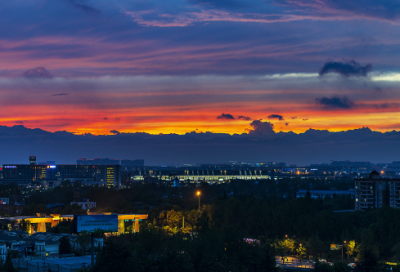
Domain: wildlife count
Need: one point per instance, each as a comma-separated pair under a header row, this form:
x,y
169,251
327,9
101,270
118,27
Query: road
x,y
293,263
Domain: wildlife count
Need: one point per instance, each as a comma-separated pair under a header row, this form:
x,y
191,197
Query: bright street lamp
x,y
199,193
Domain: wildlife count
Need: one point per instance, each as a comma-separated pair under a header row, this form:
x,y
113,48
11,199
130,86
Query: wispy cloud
x,y
38,72
83,6
59,94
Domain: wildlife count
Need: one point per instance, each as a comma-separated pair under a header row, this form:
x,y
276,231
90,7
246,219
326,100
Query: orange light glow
x,y
198,193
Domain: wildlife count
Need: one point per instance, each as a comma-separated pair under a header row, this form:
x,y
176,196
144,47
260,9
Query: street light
x,y
347,252
199,193
344,242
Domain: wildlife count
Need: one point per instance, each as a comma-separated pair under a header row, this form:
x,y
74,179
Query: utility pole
x,y
92,244
342,250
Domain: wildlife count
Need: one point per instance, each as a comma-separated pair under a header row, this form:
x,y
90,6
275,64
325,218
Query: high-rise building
x,y
32,160
376,192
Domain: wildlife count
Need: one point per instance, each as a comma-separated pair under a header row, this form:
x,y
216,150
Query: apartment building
x,y
376,192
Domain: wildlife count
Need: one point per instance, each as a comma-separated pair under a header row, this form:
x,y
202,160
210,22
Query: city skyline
x,y
200,66
261,144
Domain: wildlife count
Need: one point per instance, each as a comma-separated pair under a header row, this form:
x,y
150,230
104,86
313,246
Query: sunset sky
x,y
178,66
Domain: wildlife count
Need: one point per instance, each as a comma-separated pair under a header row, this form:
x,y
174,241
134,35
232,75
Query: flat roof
x,y
327,191
66,261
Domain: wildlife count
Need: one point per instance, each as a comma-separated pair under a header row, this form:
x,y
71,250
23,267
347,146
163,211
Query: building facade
x,y
376,192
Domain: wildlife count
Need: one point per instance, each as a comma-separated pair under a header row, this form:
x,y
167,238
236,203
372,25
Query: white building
x,y
85,204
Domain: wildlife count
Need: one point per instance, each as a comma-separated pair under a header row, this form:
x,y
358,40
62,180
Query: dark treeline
x,y
206,250
214,239
286,223
142,197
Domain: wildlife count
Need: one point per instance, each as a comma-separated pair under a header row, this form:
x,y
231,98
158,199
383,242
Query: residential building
x,y
85,204
376,192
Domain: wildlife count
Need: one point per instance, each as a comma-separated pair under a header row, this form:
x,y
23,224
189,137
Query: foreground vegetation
x,y
265,211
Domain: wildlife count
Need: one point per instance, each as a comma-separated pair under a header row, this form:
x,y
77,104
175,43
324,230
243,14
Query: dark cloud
x,y
294,117
348,69
335,102
244,118
19,122
105,118
305,119
38,72
59,94
80,4
226,116
276,116
261,129
286,123
115,132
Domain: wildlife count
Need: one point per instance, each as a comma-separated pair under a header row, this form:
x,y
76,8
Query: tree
x,y
286,246
64,246
308,196
316,247
83,242
8,265
369,261
341,267
351,248
113,257
64,226
323,267
301,252
25,225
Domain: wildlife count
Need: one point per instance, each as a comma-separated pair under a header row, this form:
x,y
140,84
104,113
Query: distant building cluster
x,y
324,193
52,175
107,161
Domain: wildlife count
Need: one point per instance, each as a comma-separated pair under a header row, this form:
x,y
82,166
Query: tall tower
x,y
32,160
